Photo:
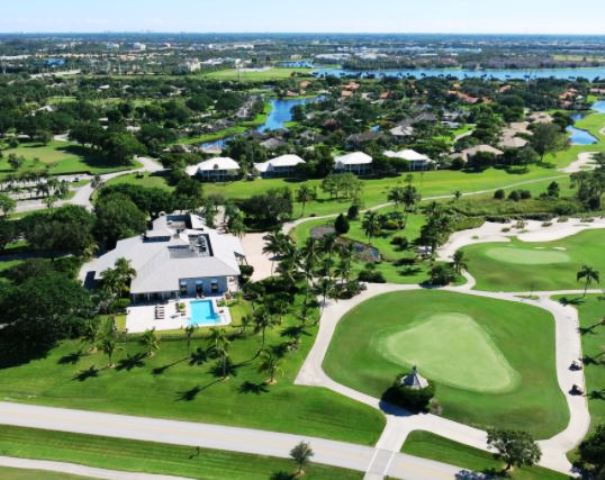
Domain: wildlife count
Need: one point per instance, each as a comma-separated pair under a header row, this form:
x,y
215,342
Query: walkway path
x,y
84,193
258,442
82,470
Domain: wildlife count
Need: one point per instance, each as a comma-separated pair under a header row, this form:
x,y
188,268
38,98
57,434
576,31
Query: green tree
x,y
396,195
270,365
263,320
371,225
304,195
411,197
592,454
514,448
459,262
547,138
118,217
589,275
301,454
150,342
341,225
189,332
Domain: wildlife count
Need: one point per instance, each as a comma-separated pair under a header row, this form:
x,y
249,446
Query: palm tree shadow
x,y
83,375
190,395
161,370
597,395
282,476
71,358
198,357
131,362
255,388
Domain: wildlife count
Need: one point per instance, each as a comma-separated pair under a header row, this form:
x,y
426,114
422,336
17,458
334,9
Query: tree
x,y
459,262
149,340
592,453
304,195
441,275
108,340
515,448
301,454
188,194
277,244
270,365
371,225
396,195
589,275
547,138
411,197
262,321
437,228
7,205
341,225
121,147
325,287
553,190
189,331
118,217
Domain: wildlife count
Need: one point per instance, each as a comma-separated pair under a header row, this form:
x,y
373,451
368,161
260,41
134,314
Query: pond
x,y
580,137
599,106
281,113
500,74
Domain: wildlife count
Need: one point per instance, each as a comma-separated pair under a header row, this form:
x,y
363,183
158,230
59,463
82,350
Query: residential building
x,y
356,162
283,166
471,152
179,257
216,169
416,161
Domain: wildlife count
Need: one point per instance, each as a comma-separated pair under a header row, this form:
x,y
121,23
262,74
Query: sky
x,y
350,16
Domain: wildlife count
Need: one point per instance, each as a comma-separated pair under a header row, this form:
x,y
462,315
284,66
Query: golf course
x,y
467,346
523,266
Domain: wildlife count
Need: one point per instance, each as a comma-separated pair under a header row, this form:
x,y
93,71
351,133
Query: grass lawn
x,y
211,137
255,76
148,180
434,447
525,266
174,385
591,311
470,346
147,457
61,158
6,265
20,474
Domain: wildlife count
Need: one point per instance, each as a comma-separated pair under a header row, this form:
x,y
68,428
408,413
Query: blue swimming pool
x,y
203,314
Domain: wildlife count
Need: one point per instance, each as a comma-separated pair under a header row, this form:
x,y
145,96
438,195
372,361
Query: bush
x,y
341,225
390,225
371,276
401,242
499,194
408,398
353,212
246,272
121,304
442,275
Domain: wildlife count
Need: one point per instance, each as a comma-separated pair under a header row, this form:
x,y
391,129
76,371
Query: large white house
x,y
179,257
356,162
417,161
216,169
279,166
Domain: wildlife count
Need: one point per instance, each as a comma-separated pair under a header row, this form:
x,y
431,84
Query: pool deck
x,y
141,318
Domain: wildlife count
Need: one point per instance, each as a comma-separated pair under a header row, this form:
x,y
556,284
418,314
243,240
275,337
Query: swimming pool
x,y
203,314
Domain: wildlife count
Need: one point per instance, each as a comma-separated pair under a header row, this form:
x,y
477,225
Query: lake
x,y
500,74
281,113
599,106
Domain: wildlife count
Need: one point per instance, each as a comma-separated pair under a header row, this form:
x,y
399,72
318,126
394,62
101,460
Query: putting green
x,y
527,256
452,349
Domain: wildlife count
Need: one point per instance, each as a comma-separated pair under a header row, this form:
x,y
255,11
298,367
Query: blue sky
x,y
393,16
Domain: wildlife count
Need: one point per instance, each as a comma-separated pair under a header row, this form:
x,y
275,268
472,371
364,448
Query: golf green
x,y
492,361
547,266
527,256
469,359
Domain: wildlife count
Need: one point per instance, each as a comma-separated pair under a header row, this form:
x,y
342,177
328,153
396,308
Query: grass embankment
x,y
592,332
173,384
434,447
374,333
148,457
60,158
524,266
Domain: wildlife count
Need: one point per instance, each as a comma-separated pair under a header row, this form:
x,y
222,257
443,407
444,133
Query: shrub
x,y
390,225
371,276
442,275
353,212
246,272
401,242
408,398
341,225
499,194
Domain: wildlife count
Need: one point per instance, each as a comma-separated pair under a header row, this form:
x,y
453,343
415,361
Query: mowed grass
x,y
592,310
174,385
20,474
261,75
147,180
524,335
60,158
529,266
431,446
148,457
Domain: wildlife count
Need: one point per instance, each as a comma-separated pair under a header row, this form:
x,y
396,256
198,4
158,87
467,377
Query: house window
x,y
183,289
199,288
214,286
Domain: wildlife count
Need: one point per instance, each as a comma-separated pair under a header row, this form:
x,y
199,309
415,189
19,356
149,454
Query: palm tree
x,y
304,195
223,354
589,275
324,287
271,365
262,321
245,322
217,337
301,454
459,262
125,273
108,345
410,197
91,335
396,195
149,340
276,244
371,225
189,331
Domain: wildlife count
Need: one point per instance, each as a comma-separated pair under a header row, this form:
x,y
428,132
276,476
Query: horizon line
x,y
187,32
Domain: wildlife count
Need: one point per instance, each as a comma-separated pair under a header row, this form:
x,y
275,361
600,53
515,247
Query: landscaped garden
x,y
157,458
187,384
535,266
468,346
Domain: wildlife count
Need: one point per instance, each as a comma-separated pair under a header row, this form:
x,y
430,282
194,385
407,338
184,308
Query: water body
x,y
500,74
281,113
599,106
578,136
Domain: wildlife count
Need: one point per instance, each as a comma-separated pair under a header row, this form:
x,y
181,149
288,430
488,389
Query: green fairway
x,y
20,474
529,266
257,75
479,365
147,457
592,331
147,180
172,384
517,341
434,447
60,158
